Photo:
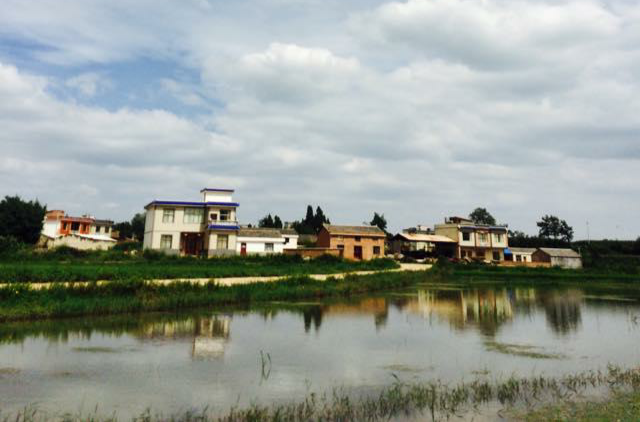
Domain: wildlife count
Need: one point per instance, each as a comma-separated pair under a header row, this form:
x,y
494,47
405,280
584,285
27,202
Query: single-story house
x,y
521,254
263,241
558,257
355,242
417,243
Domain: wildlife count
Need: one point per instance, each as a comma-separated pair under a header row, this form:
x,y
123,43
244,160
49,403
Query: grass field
x,y
21,301
150,266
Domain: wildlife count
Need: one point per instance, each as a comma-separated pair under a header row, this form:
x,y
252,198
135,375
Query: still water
x,y
219,358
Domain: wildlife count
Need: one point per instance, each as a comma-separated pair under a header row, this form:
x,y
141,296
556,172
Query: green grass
x,y
621,406
76,269
21,301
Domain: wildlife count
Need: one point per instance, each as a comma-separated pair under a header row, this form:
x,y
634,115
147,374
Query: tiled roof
x,y
354,230
434,238
561,252
522,250
259,232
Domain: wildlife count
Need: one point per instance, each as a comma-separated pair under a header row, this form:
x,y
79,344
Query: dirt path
x,y
230,281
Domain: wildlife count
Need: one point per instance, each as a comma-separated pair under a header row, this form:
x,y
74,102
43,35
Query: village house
x,y
521,254
208,227
475,241
264,241
558,257
86,232
354,242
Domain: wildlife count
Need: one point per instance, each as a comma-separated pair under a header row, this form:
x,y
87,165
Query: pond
x,y
220,358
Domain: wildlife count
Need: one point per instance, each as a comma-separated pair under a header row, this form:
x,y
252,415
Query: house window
x,y
165,241
223,241
75,226
193,215
268,247
376,250
466,236
286,240
518,258
482,237
357,238
496,256
225,215
168,215
498,237
65,226
341,247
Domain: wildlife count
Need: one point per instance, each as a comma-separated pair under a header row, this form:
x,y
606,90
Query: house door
x,y
357,252
243,249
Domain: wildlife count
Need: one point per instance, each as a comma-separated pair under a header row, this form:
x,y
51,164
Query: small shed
x,y
558,257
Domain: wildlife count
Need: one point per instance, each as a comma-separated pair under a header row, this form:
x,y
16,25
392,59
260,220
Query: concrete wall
x,y
564,262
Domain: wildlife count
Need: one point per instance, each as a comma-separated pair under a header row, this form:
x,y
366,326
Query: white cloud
x,y
416,109
89,84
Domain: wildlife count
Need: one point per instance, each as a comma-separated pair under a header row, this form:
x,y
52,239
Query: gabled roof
x,y
289,232
560,252
371,231
433,238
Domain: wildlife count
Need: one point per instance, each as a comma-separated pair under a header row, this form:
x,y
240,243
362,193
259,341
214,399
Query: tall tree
x,y
319,219
137,225
482,216
20,219
551,227
380,221
308,219
266,221
277,223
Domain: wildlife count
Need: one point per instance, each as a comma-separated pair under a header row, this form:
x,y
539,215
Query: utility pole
x,y
588,238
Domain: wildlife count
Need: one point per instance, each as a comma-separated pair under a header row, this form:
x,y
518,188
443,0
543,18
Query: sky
x,y
416,109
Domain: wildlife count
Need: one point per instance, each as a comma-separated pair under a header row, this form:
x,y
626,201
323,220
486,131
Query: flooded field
x,y
276,353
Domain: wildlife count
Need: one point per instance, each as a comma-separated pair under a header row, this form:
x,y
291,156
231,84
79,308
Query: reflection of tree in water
x,y
563,310
312,314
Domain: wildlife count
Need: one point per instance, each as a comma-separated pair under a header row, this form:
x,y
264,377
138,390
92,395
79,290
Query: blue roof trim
x,y
228,204
216,190
193,204
222,227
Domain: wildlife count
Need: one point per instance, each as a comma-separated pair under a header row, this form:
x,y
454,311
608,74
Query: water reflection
x,y
485,310
209,335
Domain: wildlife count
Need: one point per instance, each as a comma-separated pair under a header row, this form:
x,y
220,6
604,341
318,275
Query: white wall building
x,y
264,241
208,227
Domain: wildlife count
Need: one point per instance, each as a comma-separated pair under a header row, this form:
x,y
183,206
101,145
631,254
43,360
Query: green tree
x,y
312,222
319,219
380,221
20,219
277,223
124,230
266,221
551,227
482,216
137,226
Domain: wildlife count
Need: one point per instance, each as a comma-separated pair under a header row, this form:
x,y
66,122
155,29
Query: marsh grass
x,y
20,301
421,400
523,350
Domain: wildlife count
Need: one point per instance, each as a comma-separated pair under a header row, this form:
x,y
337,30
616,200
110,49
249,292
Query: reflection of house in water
x,y
486,309
378,307
210,334
563,310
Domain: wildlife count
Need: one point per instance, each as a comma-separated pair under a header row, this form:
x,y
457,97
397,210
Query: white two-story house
x,y
475,241
205,228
